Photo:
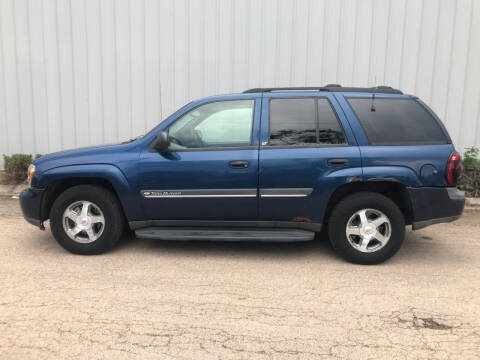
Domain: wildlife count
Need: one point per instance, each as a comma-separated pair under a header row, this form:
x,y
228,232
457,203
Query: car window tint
x,y
397,122
298,122
216,124
329,130
292,122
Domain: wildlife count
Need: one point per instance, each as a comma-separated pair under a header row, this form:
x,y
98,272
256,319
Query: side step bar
x,y
225,234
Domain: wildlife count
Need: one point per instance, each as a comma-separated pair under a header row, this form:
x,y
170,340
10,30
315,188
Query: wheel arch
x,y
394,190
109,177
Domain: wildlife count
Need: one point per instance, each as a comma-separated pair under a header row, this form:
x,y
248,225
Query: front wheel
x,y
86,220
366,228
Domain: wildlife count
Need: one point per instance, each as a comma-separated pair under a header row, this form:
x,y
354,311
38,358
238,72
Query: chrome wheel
x,y
83,222
368,230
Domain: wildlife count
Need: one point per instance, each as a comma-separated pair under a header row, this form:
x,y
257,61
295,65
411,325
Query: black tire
x,y
112,212
346,208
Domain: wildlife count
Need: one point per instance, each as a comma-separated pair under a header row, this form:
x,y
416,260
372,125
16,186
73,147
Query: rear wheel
x,y
86,219
366,228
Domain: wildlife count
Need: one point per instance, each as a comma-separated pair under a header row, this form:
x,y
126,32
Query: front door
x,y
211,169
308,150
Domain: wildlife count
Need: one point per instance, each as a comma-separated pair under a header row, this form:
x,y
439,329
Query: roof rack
x,y
330,88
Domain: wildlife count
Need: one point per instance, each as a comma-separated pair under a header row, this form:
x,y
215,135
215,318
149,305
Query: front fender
x,y
124,190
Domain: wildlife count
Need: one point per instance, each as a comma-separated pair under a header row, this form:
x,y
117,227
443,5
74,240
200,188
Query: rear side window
x,y
304,122
397,122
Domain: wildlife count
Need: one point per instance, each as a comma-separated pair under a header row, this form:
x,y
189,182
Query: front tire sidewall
x,y
346,208
105,201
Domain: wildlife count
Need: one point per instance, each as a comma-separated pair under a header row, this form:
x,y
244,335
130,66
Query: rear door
x,y
307,150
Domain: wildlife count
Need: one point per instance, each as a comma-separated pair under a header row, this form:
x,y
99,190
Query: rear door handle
x,y
337,162
238,164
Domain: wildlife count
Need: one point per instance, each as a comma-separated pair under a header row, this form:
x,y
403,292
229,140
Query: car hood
x,y
102,154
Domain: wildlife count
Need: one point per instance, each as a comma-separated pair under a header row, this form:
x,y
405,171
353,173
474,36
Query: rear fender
x,y
400,174
326,185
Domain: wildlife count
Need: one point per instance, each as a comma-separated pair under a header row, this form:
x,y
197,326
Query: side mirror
x,y
161,142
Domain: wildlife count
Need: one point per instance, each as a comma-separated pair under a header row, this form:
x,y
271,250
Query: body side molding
x,y
203,193
198,193
285,192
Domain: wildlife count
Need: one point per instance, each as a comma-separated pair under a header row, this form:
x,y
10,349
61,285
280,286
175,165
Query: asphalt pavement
x,y
202,300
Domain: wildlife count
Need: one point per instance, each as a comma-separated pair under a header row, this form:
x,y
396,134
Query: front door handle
x,y
238,164
337,162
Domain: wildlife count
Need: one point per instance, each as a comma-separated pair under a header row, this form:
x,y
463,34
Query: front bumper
x,y
31,203
435,205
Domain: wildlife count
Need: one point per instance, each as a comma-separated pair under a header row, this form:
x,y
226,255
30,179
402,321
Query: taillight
x,y
454,168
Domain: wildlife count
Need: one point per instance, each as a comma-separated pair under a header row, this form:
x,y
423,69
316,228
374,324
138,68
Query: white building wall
x,y
75,73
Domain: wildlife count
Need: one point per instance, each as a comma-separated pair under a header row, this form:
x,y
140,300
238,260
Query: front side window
x,y
397,122
304,122
213,125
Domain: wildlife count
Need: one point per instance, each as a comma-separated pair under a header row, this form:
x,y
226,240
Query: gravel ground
x,y
152,300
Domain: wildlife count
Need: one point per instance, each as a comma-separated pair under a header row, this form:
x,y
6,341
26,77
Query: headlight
x,y
30,172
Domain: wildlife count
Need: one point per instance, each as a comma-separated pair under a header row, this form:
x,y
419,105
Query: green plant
x,y
16,166
470,159
470,179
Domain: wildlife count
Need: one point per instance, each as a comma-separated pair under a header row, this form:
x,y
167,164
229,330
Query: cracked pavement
x,y
199,300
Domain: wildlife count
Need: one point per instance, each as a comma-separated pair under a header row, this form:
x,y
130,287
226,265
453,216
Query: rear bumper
x,y
31,203
435,205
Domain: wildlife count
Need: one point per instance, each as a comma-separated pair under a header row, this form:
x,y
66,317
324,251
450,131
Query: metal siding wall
x,y
75,73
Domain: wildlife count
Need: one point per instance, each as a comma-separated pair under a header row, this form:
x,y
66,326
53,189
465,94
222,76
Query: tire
x,y
349,212
103,206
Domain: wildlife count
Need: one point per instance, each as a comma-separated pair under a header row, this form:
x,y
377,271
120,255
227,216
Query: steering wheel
x,y
197,137
190,139
175,140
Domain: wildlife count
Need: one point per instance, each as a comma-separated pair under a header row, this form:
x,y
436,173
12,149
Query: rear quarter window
x,y
397,122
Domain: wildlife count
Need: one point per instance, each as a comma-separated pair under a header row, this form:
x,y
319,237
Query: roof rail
x,y
330,88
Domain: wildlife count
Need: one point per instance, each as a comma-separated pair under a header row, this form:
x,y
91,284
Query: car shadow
x,y
422,247
418,247
319,245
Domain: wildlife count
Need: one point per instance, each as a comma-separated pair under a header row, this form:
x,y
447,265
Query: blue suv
x,y
270,164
